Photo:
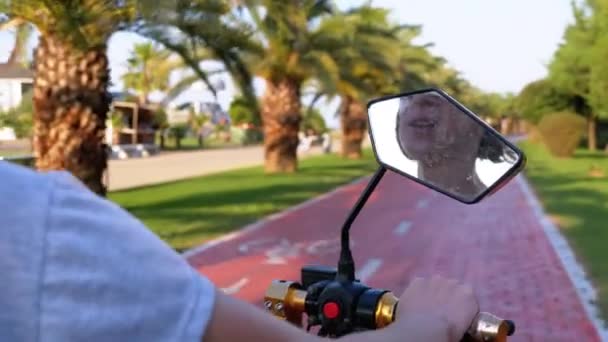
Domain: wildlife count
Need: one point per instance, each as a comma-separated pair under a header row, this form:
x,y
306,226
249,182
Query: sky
x,y
498,45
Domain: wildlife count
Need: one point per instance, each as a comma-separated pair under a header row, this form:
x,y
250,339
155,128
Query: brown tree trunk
x,y
354,127
281,118
162,140
71,103
16,56
143,98
592,132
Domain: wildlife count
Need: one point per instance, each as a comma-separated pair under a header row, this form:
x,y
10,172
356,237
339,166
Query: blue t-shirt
x,y
76,267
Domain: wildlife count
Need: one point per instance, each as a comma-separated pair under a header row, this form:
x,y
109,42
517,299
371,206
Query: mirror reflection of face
x,y
431,130
428,137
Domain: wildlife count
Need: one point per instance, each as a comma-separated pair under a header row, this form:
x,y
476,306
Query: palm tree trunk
x,y
143,98
71,103
281,119
21,37
354,127
162,139
592,132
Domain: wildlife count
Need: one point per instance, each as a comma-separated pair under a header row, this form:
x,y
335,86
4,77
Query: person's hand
x,y
436,309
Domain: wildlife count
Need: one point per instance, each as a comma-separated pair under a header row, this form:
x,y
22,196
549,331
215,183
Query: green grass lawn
x,y
189,212
579,205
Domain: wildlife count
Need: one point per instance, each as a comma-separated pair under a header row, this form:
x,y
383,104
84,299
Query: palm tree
x,y
416,65
23,32
296,38
366,68
196,123
205,31
70,91
149,68
70,94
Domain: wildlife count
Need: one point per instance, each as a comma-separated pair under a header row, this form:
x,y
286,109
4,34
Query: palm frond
x,y
177,89
83,24
314,101
319,8
188,59
322,65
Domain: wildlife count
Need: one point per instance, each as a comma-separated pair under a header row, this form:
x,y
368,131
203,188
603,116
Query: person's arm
x,y
107,277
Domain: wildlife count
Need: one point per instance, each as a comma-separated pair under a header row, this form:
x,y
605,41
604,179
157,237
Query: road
x,y
166,167
500,246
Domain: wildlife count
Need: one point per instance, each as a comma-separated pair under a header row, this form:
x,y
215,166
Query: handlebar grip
x,y
287,300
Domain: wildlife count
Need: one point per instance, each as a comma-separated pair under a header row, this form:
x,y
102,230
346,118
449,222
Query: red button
x,y
331,310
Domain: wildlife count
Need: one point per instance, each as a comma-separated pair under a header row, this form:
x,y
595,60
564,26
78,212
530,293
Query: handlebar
x,y
288,301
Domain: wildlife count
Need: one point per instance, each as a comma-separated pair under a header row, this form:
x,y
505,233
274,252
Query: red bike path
x,y
499,246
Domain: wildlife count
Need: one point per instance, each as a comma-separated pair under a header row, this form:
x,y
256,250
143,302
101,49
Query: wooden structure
x,y
137,123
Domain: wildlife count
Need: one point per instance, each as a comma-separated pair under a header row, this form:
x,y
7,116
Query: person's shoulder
x,y
18,181
24,187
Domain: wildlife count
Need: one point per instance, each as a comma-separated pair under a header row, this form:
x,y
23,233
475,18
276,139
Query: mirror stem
x,y
346,264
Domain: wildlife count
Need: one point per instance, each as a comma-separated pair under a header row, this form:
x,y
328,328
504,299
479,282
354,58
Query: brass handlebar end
x,y
286,300
488,327
385,310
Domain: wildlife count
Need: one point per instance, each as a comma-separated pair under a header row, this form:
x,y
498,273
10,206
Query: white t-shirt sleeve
x,y
106,277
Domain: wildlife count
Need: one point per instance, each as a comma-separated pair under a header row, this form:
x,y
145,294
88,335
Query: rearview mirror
x,y
429,137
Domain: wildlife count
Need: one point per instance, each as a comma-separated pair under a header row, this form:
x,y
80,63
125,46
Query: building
x,y
181,113
130,130
15,81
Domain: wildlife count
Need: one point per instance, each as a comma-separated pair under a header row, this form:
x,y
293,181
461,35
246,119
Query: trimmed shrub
x,y
534,135
562,132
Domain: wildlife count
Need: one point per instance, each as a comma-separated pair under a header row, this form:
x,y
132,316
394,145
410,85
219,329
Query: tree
x,y
70,94
19,118
570,70
364,72
149,68
70,91
161,124
366,67
23,32
178,132
205,31
243,112
196,123
295,40
313,120
539,98
416,66
598,76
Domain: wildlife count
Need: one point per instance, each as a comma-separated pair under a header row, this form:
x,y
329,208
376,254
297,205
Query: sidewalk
x,y
499,246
